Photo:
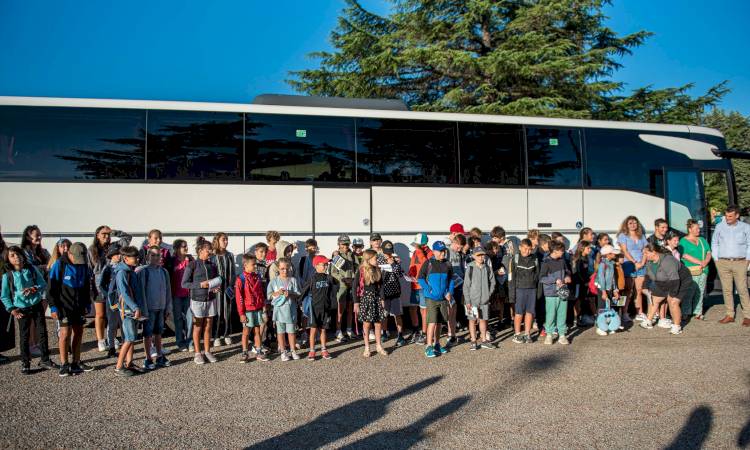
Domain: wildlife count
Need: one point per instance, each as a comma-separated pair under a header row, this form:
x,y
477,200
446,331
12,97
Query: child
x,y
479,283
343,268
542,253
523,279
250,296
392,291
22,289
261,268
322,290
436,280
358,247
155,239
272,237
580,275
157,291
224,261
69,297
284,249
419,257
202,299
132,308
498,298
606,282
533,236
283,292
107,287
368,302
457,259
506,252
554,274
181,314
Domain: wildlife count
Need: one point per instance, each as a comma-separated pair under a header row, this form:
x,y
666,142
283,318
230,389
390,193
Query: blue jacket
x,y
436,279
129,289
21,280
70,290
551,271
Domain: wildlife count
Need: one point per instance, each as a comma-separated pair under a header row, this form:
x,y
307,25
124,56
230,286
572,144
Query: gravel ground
x,y
639,388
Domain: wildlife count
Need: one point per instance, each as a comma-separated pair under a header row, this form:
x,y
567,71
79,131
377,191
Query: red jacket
x,y
252,297
418,258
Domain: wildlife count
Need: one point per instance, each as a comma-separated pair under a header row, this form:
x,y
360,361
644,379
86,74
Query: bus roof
x,y
347,112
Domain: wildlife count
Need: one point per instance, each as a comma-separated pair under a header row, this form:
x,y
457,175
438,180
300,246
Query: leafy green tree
x,y
518,57
736,130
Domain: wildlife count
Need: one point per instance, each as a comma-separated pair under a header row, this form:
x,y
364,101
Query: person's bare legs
x,y
198,324
675,310
483,330
639,294
100,314
366,334
207,335
64,344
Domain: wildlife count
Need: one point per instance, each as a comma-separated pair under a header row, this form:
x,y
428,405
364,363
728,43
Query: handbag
x,y
698,270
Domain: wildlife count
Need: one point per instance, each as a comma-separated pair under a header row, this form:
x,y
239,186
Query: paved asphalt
x,y
638,388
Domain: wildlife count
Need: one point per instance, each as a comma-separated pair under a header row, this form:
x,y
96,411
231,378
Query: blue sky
x,y
232,50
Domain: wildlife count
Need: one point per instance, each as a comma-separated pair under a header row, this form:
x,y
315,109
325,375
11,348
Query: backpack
x,y
471,273
592,284
12,282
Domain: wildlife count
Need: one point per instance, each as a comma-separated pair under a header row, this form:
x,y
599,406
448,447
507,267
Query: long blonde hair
x,y
370,273
215,244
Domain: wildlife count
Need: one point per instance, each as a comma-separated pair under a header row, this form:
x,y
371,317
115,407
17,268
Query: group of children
x,y
456,281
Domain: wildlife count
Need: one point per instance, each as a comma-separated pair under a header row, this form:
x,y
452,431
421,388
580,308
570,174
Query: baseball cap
x,y
344,239
607,249
376,237
320,259
478,251
438,246
388,247
457,228
77,253
419,239
358,242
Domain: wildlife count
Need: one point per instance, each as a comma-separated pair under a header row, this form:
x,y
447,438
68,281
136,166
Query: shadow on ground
x,y
694,433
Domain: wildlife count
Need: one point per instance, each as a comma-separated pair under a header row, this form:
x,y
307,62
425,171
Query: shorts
x,y
254,319
129,329
666,288
99,298
525,301
69,317
437,310
417,298
393,306
629,269
288,328
155,323
319,318
483,312
203,309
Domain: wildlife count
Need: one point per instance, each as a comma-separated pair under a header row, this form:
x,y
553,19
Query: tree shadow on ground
x,y
694,433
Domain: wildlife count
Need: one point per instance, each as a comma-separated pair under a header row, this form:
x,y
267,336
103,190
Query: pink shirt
x,y
179,270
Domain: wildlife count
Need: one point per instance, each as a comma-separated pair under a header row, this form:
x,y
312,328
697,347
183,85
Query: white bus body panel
x,y
604,210
562,209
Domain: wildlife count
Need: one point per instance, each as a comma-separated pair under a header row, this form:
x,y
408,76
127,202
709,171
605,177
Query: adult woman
x,y
663,271
183,317
224,261
202,299
696,255
97,262
631,239
368,299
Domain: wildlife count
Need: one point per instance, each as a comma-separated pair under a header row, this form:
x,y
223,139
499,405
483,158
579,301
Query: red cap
x,y
320,259
457,228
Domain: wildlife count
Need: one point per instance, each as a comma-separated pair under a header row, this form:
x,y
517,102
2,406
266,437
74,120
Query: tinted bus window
x,y
491,154
620,159
49,143
406,151
299,148
554,156
189,145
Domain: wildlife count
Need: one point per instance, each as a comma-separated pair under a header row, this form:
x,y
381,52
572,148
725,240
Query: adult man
x,y
660,233
730,247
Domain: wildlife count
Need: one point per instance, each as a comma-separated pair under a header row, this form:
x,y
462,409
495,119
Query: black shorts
x,y
319,318
68,317
665,288
526,301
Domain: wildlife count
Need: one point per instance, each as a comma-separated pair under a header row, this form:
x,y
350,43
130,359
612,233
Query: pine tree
x,y
736,130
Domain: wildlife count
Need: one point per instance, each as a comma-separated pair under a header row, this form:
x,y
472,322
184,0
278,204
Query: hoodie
x,y
22,279
69,287
479,286
436,279
157,289
551,271
273,269
129,289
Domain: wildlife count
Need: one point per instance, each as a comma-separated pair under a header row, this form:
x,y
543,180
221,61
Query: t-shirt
x,y
178,271
634,246
697,251
320,287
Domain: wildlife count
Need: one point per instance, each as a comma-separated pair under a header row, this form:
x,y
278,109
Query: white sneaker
x,y
117,344
165,350
641,317
198,359
284,357
534,326
372,336
228,340
339,337
563,340
676,329
600,332
153,352
217,342
102,344
668,320
647,324
210,357
548,339
295,356
664,323
350,333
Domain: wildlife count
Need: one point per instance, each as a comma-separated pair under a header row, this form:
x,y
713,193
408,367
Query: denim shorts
x,y
629,269
155,323
288,328
417,298
129,329
254,319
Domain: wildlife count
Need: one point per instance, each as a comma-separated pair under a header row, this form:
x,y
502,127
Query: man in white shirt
x,y
730,247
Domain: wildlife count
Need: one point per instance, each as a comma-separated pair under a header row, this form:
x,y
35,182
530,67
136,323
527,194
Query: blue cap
x,y
438,246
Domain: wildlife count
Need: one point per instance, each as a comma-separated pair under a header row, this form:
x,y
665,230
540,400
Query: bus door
x,y
684,198
340,211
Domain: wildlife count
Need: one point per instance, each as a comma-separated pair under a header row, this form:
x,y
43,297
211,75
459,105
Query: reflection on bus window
x,y
554,157
491,154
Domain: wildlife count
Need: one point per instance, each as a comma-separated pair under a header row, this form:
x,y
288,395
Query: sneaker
x,y
25,369
245,358
182,348
311,356
47,364
548,340
324,353
400,341
227,340
295,355
64,370
641,317
429,352
414,337
350,334
452,340
134,367
149,364
162,361
518,339
534,326
217,342
80,367
626,318
664,323
600,332
473,346
125,372
487,345
102,345
421,339
675,329
439,349
284,357
111,353
153,353
372,336
198,359
117,344
210,357
612,332
165,350
543,333
563,340
647,324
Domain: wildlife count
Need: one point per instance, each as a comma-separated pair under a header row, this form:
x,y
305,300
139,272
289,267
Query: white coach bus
x,y
321,167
